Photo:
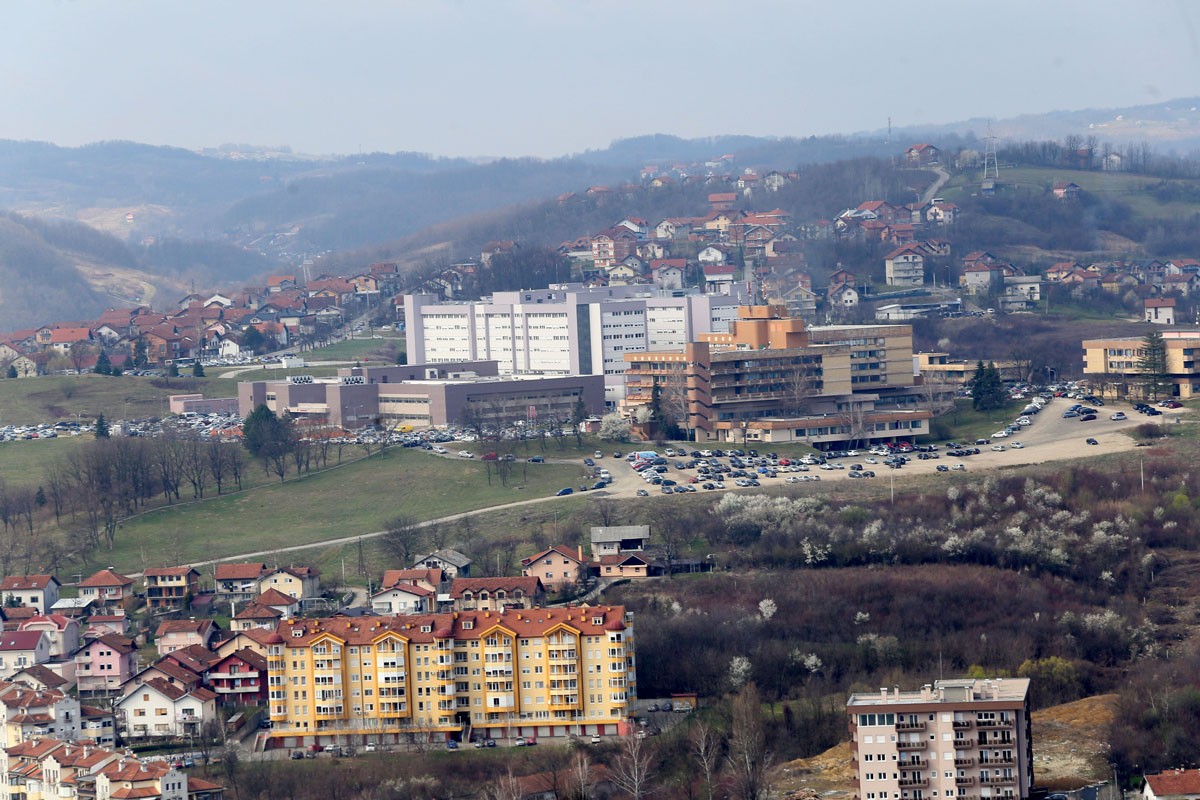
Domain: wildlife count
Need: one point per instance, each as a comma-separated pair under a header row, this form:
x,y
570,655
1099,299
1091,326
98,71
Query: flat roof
x,y
961,690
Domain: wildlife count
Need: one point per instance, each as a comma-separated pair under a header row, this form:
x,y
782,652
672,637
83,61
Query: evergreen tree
x,y
40,497
172,371
101,427
139,354
1152,364
263,431
197,370
103,364
987,390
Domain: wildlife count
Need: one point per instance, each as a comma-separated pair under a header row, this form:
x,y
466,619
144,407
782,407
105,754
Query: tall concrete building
x,y
566,329
961,739
773,379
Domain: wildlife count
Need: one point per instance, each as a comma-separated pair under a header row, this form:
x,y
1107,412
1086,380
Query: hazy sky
x,y
549,77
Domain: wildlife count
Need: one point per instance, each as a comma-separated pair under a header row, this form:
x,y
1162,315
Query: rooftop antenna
x,y
991,167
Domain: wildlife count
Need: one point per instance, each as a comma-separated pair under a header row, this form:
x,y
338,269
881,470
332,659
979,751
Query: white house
x,y
21,649
619,539
403,599
157,708
1159,310
711,255
451,562
63,632
905,266
33,591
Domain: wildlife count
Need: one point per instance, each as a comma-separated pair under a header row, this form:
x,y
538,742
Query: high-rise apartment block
x,y
961,739
492,674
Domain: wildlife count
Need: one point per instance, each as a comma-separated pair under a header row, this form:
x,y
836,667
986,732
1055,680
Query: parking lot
x,y
1049,436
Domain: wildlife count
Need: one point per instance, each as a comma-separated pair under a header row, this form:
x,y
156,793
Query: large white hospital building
x,y
566,329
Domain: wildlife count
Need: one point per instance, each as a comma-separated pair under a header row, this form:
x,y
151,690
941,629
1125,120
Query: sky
x,y
553,77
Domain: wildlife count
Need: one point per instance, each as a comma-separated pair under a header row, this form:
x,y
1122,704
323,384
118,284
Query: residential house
x,y
722,201
430,579
923,154
255,616
843,296
34,591
1066,190
619,539
1021,292
276,600
983,279
25,367
669,273
652,250
629,565
108,588
905,266
42,678
452,563
1118,282
299,582
26,712
496,594
556,567
943,213
98,724
1159,310
712,255
773,181
717,278
176,634
1174,784
880,210
103,665
404,599
64,632
157,708
171,587
21,649
239,678
238,582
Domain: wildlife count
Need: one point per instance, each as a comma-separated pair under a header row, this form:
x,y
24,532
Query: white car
x,y
1000,435
959,467
999,448
1017,446
465,454
872,460
1119,416
440,450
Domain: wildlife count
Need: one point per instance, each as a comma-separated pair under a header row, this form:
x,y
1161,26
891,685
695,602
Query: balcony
x,y
964,762
910,726
963,724
915,763
986,761
914,783
995,780
994,723
965,780
917,745
964,742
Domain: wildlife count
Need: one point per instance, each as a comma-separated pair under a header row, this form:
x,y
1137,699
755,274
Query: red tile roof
x,y
239,572
26,582
106,577
1175,783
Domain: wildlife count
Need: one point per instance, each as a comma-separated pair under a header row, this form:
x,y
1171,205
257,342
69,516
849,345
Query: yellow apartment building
x,y
538,672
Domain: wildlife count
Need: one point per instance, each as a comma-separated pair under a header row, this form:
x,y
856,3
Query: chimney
x,y
883,694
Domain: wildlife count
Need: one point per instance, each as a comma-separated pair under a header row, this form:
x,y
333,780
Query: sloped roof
x,y
239,572
1175,782
14,583
528,586
15,641
106,577
452,557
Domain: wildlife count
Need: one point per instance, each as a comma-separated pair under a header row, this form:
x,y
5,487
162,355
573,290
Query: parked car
x,y
1087,418
1090,440
536,460
597,738
642,493
564,492
1118,416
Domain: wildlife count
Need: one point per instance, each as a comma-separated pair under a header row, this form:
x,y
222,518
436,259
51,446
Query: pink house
x,y
107,588
104,664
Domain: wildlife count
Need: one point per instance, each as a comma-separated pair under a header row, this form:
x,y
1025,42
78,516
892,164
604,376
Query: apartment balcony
x,y
992,724
984,762
914,783
964,762
963,724
998,780
965,780
910,726
392,692
920,744
965,742
915,763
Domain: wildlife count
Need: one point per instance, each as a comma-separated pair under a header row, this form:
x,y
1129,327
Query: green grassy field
x,y
24,463
354,499
1130,189
55,398
366,349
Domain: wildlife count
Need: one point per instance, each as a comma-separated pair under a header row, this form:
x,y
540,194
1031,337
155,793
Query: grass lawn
x,y
966,424
356,498
24,463
55,398
364,348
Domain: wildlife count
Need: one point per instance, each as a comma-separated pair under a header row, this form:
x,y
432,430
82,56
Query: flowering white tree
x,y
767,609
614,428
739,671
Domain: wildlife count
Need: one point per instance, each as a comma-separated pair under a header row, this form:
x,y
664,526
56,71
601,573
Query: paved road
x,y
933,190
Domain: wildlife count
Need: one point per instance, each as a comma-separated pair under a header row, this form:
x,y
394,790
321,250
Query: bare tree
x,y
581,776
748,757
631,767
706,746
403,538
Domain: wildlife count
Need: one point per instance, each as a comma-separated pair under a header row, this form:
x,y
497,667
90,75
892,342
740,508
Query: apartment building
x,y
529,672
170,587
964,739
566,329
771,378
1114,365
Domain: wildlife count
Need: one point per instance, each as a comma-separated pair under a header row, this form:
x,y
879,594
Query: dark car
x,y
536,460
1087,418
1091,441
642,493
589,462
564,492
